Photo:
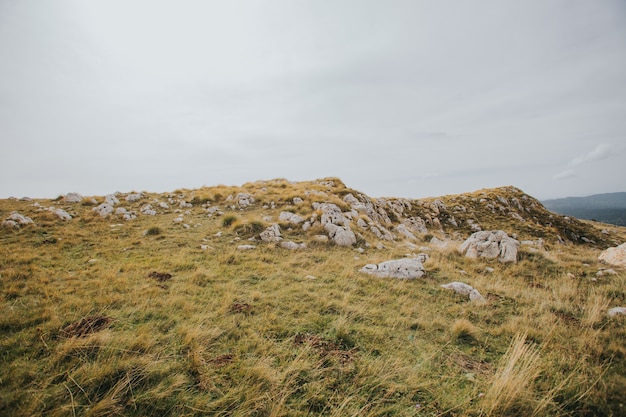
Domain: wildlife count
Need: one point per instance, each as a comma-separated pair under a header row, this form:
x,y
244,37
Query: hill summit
x,y
280,298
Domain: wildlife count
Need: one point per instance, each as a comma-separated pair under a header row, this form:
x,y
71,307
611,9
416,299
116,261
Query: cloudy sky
x,y
403,98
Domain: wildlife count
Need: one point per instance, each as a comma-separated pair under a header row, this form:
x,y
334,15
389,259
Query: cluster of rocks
x,y
16,220
491,245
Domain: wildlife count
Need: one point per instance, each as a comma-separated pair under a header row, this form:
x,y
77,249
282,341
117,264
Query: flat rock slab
x,y
408,268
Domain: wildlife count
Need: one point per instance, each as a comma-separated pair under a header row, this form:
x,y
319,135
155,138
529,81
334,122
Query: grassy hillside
x,y
163,315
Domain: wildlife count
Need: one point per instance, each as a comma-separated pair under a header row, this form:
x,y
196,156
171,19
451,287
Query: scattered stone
x,y
111,200
62,214
403,230
464,289
147,210
244,200
292,245
131,198
617,310
603,272
491,245
397,268
16,220
289,217
164,205
246,247
297,200
104,209
271,234
72,198
341,235
614,256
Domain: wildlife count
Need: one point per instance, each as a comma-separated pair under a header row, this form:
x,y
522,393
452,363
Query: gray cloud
x,y
407,98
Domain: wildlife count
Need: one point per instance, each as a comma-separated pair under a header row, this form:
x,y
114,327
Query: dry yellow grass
x,y
198,327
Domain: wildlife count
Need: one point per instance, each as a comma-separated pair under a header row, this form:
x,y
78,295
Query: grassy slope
x,y
272,332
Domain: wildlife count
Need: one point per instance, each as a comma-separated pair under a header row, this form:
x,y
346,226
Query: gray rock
x,y
289,217
72,198
62,214
111,200
464,289
131,198
244,200
403,230
104,209
614,256
617,310
246,247
491,245
271,234
408,268
340,235
292,245
16,220
147,210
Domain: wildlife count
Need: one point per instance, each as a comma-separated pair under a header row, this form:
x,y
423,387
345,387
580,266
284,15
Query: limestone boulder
x,y
16,220
615,256
271,234
62,214
407,268
491,245
104,209
71,198
340,235
289,217
464,289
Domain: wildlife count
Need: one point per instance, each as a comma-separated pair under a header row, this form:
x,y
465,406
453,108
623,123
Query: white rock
x,y
16,220
617,310
396,268
458,287
73,198
340,235
491,245
104,209
614,256
403,230
271,234
246,247
111,199
131,198
164,205
62,214
244,200
147,210
292,245
289,217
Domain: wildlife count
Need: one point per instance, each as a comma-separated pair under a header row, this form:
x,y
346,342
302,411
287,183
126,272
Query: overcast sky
x,y
401,98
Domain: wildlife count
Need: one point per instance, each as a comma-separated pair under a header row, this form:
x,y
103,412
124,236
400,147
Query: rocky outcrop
x,y
614,256
407,268
131,198
491,245
336,224
16,220
244,200
464,289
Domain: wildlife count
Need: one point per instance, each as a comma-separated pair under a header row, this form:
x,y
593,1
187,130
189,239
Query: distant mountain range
x,y
606,208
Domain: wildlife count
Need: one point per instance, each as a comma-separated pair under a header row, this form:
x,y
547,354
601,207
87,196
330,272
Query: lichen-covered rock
x,y
407,268
614,256
271,234
491,245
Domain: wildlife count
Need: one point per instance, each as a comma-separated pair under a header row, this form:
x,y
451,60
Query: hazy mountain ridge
x,y
607,208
